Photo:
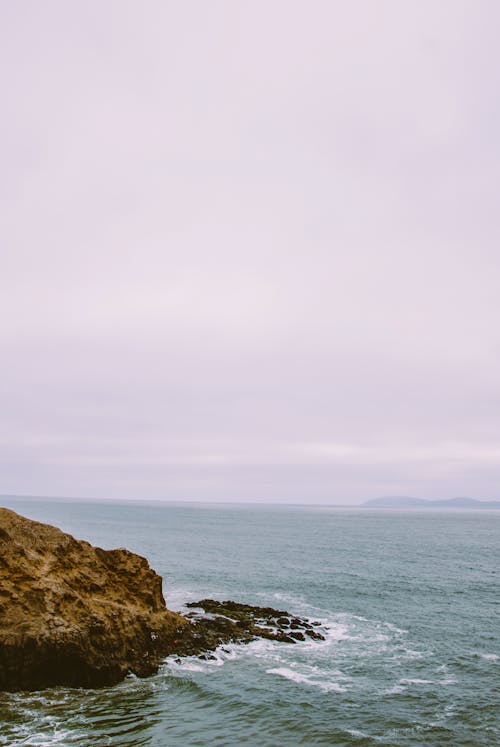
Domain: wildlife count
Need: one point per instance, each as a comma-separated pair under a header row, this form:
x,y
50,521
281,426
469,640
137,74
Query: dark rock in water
x,y
73,614
283,622
314,634
284,638
240,623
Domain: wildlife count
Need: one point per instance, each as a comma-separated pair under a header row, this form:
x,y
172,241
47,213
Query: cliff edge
x,y
73,614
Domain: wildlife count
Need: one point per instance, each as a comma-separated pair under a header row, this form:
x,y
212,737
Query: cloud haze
x,y
250,251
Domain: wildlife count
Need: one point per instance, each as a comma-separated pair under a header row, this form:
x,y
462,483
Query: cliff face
x,y
73,614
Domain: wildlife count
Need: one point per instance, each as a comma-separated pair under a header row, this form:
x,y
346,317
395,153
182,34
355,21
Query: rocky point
x,y
76,615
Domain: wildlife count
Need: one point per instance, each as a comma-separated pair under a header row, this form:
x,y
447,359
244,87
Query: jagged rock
x,y
241,623
73,614
314,634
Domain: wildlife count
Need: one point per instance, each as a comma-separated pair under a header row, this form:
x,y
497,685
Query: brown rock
x,y
73,614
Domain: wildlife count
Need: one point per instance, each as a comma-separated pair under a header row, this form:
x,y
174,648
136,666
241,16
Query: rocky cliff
x,y
74,614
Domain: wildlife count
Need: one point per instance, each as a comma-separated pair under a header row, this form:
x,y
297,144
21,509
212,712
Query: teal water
x,y
412,655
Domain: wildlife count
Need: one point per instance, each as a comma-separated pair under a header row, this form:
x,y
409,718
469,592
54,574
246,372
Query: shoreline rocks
x,y
75,615
213,624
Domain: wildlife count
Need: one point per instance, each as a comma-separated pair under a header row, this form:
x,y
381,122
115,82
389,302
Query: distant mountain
x,y
410,502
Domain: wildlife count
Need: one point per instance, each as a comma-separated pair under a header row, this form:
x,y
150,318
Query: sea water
x,y
410,601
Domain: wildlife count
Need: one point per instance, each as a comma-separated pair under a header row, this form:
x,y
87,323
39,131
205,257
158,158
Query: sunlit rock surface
x,y
73,614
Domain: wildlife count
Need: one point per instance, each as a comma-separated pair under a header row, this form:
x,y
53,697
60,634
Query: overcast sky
x,y
250,249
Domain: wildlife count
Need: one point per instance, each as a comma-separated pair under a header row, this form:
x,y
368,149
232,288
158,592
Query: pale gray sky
x,y
250,250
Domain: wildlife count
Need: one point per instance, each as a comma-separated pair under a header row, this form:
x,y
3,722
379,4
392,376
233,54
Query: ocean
x,y
410,600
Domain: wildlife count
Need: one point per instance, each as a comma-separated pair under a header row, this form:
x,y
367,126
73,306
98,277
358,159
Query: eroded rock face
x,y
73,614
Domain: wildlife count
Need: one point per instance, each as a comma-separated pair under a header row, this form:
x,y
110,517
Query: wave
x,y
489,657
310,680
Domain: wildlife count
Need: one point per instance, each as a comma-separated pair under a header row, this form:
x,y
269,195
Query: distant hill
x,y
410,502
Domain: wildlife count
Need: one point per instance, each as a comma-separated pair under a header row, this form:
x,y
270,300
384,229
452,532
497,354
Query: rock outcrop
x,y
76,615
73,614
233,622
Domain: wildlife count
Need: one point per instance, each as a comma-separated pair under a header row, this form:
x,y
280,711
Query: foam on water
x,y
298,602
415,681
396,690
309,680
203,663
178,596
363,735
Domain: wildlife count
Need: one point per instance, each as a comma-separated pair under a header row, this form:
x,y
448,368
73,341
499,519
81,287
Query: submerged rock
x,y
76,615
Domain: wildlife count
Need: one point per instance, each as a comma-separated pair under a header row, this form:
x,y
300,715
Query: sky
x,y
250,250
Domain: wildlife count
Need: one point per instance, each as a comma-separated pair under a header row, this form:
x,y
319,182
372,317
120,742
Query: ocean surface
x,y
410,599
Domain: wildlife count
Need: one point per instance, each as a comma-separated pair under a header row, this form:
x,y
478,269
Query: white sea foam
x,y
294,663
178,597
404,683
416,682
59,736
335,632
217,658
193,664
304,679
447,679
374,625
291,599
396,690
402,654
262,648
368,637
363,735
